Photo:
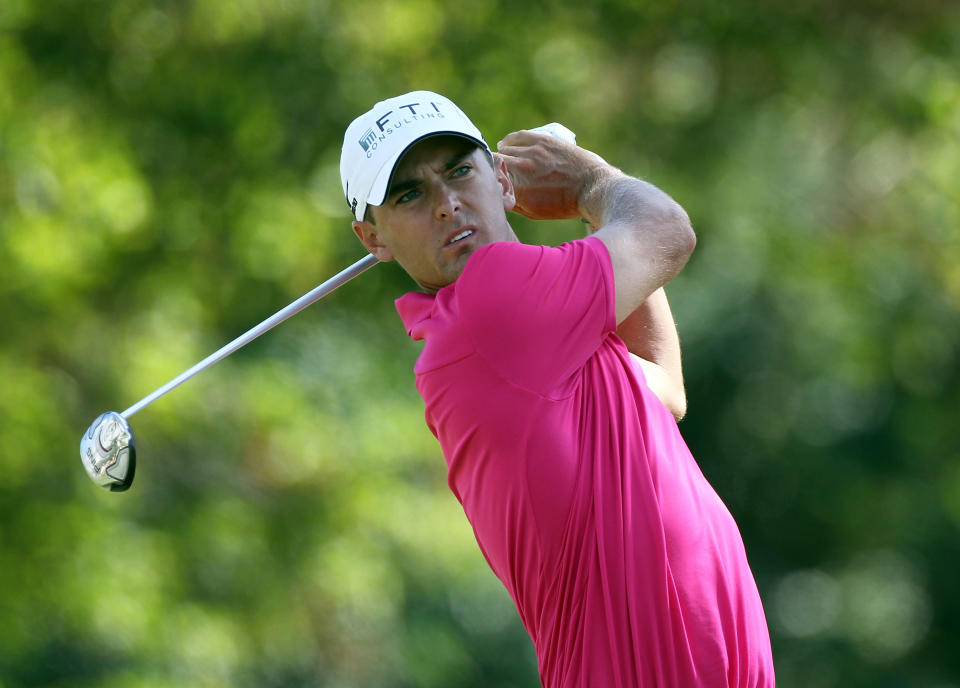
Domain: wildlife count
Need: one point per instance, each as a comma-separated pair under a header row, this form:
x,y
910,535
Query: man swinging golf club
x,y
552,379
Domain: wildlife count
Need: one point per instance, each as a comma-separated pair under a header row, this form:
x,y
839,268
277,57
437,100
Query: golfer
x,y
552,379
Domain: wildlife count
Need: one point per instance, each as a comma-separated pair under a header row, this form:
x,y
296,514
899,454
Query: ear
x,y
505,181
370,237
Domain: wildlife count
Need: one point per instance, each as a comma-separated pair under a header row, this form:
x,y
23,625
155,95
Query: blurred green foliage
x,y
168,178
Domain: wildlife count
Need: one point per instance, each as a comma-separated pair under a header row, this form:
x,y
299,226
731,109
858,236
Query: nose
x,y
447,203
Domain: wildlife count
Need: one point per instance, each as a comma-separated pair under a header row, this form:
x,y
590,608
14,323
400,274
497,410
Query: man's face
x,y
445,201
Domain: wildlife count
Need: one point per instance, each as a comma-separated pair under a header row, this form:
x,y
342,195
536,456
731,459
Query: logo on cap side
x,y
352,202
367,139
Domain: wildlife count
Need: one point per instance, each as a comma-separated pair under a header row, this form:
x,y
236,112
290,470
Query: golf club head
x,y
107,452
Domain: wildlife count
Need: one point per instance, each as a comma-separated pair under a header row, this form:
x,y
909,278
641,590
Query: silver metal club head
x,y
107,452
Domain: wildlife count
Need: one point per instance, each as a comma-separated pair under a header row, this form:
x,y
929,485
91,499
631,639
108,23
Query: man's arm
x,y
647,234
650,239
651,336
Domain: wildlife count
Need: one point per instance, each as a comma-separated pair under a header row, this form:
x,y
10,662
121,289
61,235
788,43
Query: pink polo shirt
x,y
626,568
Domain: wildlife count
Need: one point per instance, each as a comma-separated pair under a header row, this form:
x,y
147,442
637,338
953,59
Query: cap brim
x,y
378,192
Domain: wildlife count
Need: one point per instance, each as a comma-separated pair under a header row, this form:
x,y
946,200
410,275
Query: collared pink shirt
x,y
626,568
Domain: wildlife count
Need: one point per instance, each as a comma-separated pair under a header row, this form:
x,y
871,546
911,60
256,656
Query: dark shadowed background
x,y
169,178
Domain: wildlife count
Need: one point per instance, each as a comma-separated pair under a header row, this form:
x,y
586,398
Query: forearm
x,y
610,197
646,232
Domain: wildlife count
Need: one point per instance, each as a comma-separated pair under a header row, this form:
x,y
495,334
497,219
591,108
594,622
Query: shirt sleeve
x,y
537,313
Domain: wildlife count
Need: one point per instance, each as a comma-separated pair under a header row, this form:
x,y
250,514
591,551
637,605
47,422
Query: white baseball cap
x,y
377,139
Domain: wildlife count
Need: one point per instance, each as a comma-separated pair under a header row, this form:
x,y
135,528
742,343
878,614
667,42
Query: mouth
x,y
460,236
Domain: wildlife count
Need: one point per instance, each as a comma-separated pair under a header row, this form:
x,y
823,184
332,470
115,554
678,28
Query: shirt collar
x,y
415,310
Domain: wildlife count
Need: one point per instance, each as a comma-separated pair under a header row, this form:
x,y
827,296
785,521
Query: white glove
x,y
557,130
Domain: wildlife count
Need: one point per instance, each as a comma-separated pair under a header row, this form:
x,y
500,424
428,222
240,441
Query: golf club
x,y
107,448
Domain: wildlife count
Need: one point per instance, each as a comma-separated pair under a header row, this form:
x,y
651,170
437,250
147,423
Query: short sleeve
x,y
537,313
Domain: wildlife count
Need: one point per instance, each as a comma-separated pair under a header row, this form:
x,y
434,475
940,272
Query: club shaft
x,y
310,297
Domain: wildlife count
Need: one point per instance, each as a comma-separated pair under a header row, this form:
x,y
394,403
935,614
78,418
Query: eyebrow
x,y
403,185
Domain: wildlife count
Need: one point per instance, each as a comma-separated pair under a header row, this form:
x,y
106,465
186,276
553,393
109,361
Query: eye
x,y
407,197
460,171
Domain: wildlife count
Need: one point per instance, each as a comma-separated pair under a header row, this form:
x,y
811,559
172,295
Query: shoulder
x,y
537,313
499,259
504,267
518,288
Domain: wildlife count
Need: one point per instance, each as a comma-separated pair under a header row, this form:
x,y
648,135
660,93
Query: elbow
x,y
683,238
686,237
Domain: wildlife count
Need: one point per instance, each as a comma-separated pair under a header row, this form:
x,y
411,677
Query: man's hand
x,y
550,176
